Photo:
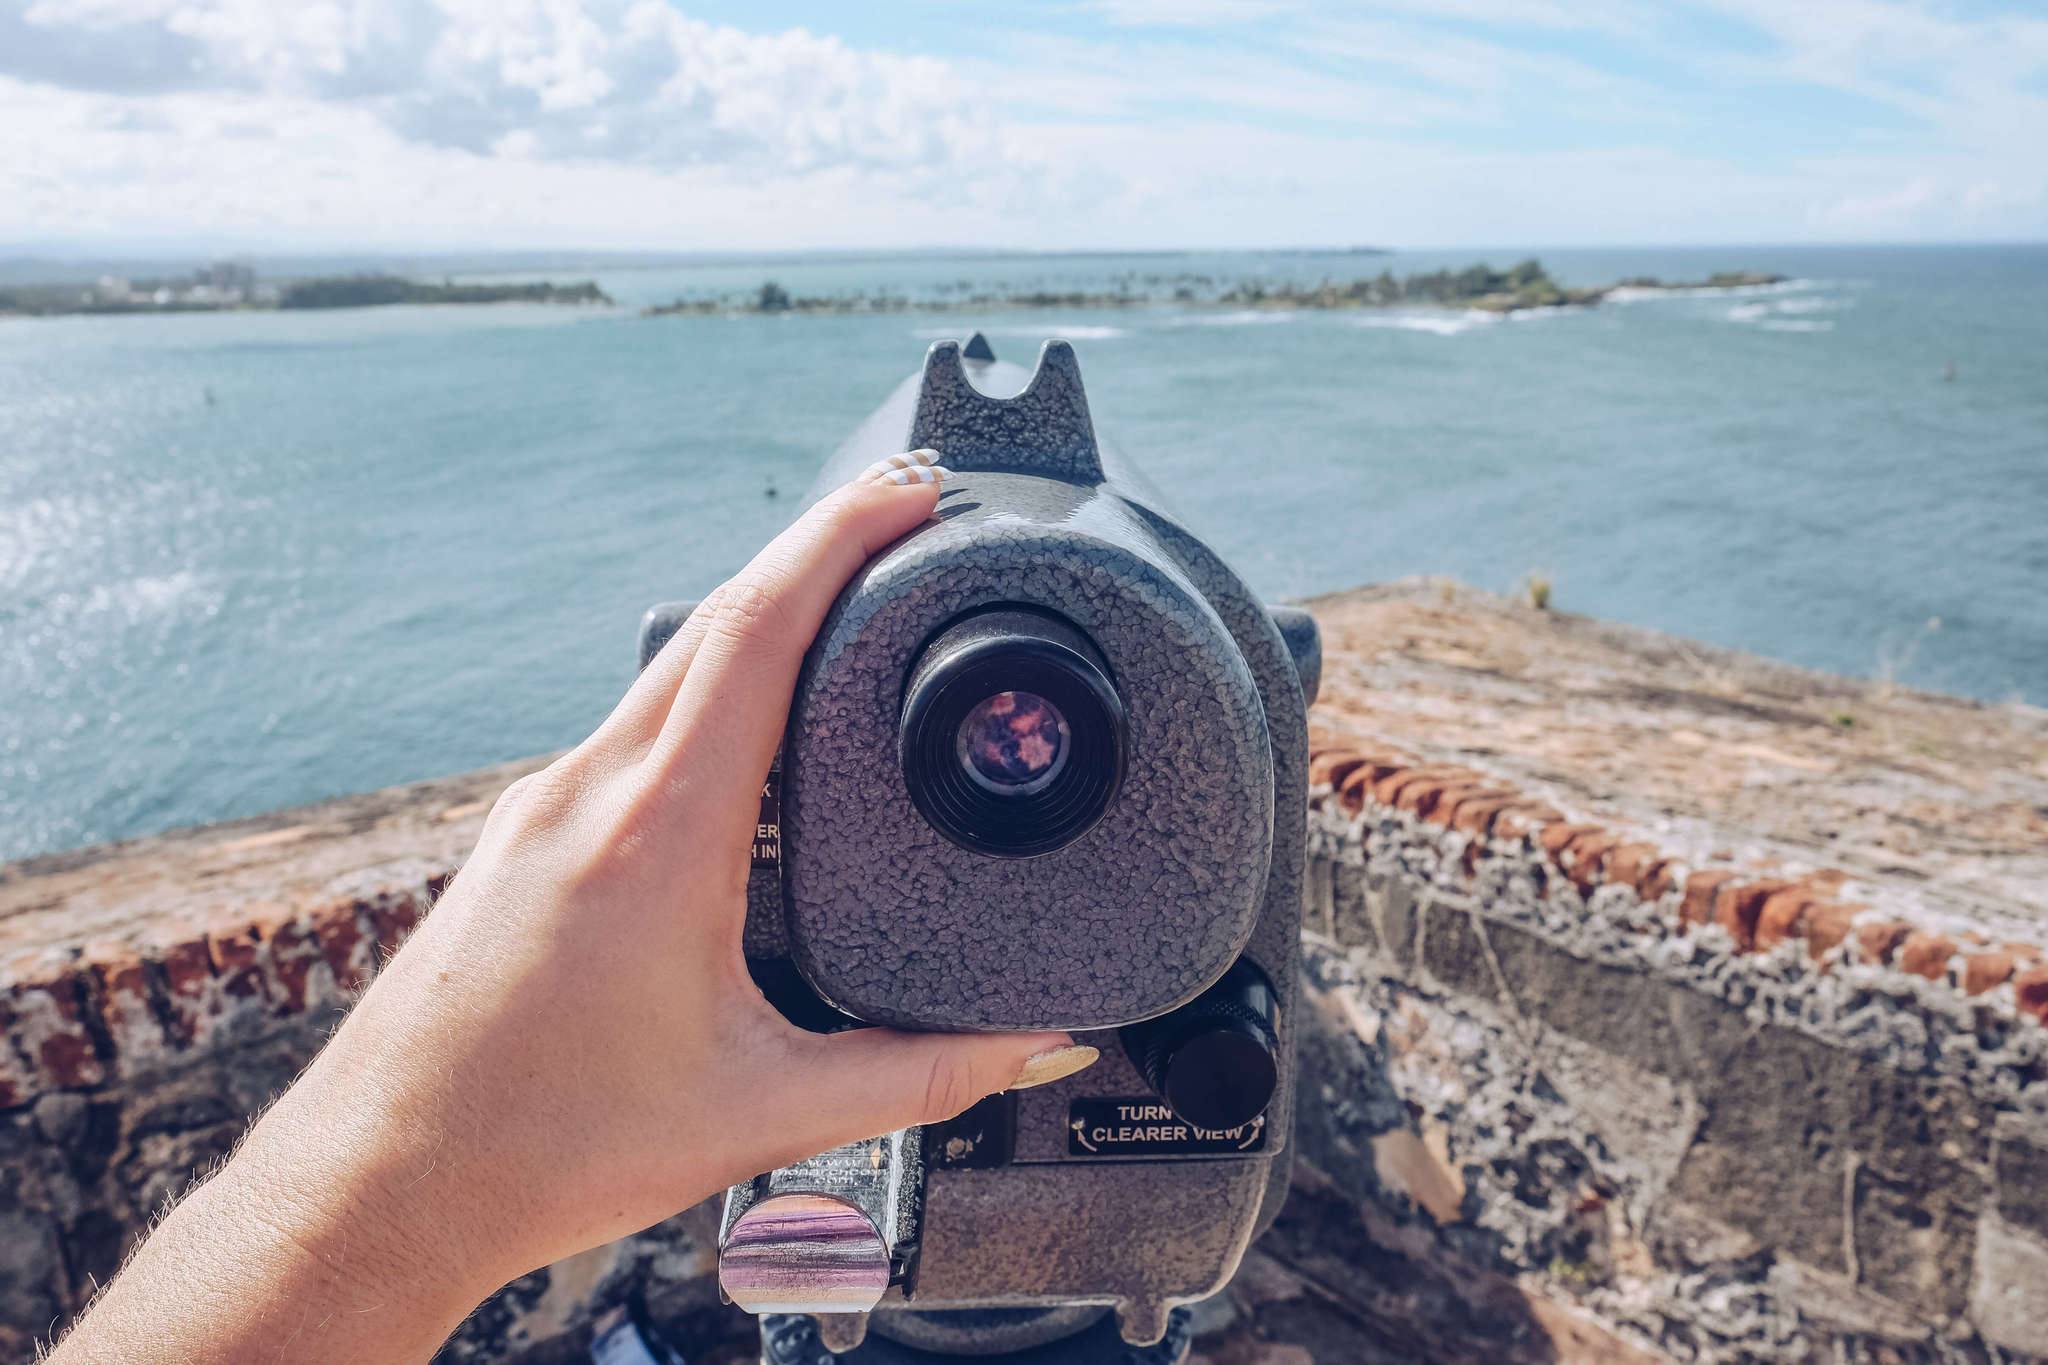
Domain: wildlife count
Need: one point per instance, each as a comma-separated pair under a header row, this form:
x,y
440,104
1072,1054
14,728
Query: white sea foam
x,y
1769,313
1443,322
1084,332
1811,305
1243,317
1074,332
1634,294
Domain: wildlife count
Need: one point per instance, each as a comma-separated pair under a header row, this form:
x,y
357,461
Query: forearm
x,y
339,1231
239,1273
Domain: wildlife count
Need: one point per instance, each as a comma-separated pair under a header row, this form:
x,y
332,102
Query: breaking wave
x,y
1439,322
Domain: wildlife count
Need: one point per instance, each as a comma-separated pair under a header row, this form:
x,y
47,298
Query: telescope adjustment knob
x,y
1215,1060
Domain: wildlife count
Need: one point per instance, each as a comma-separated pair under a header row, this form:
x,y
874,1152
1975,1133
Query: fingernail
x,y
1054,1063
909,459
917,473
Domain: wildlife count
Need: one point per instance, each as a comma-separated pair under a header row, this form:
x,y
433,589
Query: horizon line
x,y
44,252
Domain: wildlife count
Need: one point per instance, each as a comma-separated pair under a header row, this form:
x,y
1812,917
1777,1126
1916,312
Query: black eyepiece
x,y
1012,735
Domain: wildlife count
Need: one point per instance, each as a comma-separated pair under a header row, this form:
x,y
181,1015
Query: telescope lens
x,y
1015,743
1011,735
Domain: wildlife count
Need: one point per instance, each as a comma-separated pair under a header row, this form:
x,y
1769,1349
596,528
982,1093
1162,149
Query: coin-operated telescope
x,y
1045,768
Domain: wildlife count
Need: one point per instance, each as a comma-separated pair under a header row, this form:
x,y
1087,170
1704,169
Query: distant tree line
x,y
370,291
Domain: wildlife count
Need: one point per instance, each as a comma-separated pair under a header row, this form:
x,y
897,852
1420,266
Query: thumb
x,y
871,1081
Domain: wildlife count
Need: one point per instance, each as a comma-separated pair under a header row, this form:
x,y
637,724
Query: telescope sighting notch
x,y
1044,430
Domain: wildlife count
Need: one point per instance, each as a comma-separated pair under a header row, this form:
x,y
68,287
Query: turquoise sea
x,y
249,560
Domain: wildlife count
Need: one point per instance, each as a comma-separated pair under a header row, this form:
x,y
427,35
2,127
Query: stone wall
x,y
1725,1113
1581,1081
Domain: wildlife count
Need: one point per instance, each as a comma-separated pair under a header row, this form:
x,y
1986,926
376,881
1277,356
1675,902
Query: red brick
x,y
2030,988
46,996
1436,806
189,998
1657,879
1419,795
1737,906
1987,971
343,945
1445,810
1387,789
125,1005
1878,942
1332,766
1626,864
1357,786
293,952
1827,925
393,913
1476,814
1926,954
237,955
1783,917
1520,819
1555,836
1700,889
1584,856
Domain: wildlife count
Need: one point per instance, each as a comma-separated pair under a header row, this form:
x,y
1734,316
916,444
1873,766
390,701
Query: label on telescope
x,y
768,832
1143,1126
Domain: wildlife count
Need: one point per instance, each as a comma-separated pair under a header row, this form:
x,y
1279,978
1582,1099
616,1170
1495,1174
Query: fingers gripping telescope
x,y
1045,768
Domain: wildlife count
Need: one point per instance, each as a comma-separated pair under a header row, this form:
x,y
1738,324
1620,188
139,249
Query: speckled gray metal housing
x,y
895,924
1199,859
887,919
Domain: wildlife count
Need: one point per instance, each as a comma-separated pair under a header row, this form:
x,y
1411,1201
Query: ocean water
x,y
248,560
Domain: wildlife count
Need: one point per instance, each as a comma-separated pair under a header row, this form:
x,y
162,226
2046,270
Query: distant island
x,y
226,287
371,291
1525,286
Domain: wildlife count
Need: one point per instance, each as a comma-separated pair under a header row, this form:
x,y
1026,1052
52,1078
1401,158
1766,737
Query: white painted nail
x,y
918,473
888,464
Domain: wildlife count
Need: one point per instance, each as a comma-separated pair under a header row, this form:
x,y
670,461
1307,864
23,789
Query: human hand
x,y
569,1048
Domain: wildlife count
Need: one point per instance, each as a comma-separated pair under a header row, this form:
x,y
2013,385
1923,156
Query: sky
x,y
273,125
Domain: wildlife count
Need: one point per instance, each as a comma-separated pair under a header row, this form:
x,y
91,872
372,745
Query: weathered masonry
x,y
1657,1013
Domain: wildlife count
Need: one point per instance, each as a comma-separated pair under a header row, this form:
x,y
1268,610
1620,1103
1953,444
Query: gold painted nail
x,y
1054,1063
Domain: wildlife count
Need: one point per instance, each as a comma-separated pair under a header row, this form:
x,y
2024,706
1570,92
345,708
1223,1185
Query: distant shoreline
x,y
111,296
1477,287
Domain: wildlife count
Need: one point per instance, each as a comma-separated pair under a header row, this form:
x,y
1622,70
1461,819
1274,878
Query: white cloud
x,y
1208,122
616,80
